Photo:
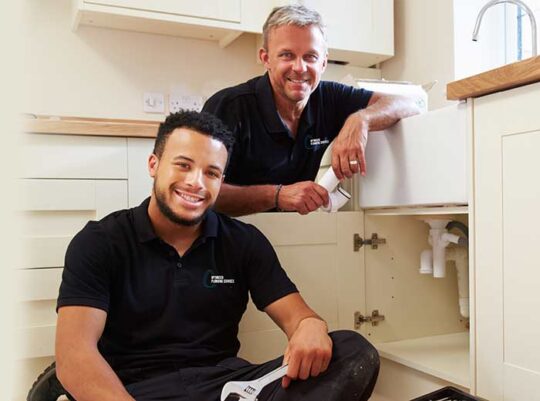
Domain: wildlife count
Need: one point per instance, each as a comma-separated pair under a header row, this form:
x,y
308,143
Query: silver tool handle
x,y
273,375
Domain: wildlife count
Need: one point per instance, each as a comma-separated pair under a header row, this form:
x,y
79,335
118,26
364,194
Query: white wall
x,y
423,42
96,72
433,42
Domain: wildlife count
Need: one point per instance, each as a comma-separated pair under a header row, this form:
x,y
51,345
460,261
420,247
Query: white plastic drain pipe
x,y
460,257
439,238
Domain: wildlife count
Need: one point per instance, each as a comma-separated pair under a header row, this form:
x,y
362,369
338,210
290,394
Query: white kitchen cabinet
x,y
80,178
139,180
224,10
218,20
359,32
72,156
423,334
506,200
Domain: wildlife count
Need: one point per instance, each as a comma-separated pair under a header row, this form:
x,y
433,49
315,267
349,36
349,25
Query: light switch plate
x,y
154,102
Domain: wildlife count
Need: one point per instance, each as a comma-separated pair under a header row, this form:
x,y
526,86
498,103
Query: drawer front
x,y
72,156
54,210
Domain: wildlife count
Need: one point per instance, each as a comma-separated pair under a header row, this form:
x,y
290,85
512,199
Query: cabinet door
x,y
54,211
73,156
360,32
317,253
139,180
224,10
506,200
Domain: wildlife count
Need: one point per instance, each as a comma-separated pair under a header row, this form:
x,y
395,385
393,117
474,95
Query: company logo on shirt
x,y
212,280
315,143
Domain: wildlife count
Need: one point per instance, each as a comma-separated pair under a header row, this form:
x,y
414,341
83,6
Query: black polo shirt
x,y
265,152
164,311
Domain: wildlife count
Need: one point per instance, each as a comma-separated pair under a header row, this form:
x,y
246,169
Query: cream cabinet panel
x,y
38,284
507,195
356,27
317,254
420,161
139,180
70,156
225,10
359,32
54,211
216,20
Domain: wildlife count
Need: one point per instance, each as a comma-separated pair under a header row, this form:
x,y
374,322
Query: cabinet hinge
x,y
375,241
374,319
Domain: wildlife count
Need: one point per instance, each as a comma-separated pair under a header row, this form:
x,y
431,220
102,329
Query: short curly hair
x,y
202,122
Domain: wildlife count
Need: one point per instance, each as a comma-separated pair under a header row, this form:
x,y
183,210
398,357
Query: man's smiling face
x,y
295,59
188,175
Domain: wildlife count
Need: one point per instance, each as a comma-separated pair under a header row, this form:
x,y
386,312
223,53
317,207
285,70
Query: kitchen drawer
x,y
421,161
38,284
72,156
55,210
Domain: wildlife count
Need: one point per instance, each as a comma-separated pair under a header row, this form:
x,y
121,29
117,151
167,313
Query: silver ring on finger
x,y
353,162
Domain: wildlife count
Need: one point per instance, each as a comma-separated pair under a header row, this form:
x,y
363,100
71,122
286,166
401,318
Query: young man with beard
x,y
151,297
284,120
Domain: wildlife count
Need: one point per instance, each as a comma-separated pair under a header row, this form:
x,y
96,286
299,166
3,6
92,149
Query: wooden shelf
x,y
91,126
443,356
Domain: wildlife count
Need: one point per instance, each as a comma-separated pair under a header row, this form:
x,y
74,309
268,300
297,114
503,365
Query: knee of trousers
x,y
353,349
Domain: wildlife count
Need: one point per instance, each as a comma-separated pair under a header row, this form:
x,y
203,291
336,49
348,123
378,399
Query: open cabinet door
x,y
317,253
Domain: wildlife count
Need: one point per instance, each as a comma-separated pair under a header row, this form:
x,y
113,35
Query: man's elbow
x,y
62,368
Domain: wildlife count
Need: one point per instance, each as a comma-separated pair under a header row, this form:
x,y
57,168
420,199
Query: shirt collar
x,y
145,231
267,106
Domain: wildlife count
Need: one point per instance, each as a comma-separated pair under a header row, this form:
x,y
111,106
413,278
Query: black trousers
x,y
351,375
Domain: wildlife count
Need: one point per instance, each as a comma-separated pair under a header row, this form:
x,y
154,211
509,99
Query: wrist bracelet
x,y
276,197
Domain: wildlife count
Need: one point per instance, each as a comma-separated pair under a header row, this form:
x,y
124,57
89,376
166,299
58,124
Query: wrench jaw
x,y
234,397
231,392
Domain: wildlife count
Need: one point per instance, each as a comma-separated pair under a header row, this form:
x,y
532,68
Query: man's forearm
x,y
388,110
240,201
88,377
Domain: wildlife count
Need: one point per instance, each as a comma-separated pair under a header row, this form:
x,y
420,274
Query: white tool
x,y
338,196
248,390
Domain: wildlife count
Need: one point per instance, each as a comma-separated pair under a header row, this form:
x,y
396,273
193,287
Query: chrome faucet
x,y
518,3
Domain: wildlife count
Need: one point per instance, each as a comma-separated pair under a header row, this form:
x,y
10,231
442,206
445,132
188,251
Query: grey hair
x,y
295,14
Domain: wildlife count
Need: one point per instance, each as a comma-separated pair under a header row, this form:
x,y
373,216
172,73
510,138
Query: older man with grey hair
x,y
284,120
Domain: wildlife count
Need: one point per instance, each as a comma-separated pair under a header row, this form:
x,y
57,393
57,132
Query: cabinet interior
x,y
423,328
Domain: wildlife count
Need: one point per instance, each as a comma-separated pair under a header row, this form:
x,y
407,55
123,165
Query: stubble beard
x,y
171,215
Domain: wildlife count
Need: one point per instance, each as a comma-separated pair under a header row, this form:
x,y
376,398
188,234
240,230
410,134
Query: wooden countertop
x,y
506,77
91,126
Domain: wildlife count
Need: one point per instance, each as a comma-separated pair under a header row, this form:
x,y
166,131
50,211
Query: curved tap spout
x,y
518,3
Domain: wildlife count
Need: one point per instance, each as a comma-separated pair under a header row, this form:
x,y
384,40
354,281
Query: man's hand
x,y
383,111
309,351
302,197
348,150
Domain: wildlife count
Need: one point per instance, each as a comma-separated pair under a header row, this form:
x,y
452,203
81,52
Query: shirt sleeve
x,y
267,280
346,100
222,107
87,275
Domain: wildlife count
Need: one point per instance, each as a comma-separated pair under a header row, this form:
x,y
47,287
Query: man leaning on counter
x,y
284,120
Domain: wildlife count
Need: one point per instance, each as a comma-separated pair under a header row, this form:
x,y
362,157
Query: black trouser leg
x,y
351,376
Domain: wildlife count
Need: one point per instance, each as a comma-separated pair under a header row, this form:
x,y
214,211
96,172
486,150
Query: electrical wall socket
x,y
186,102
